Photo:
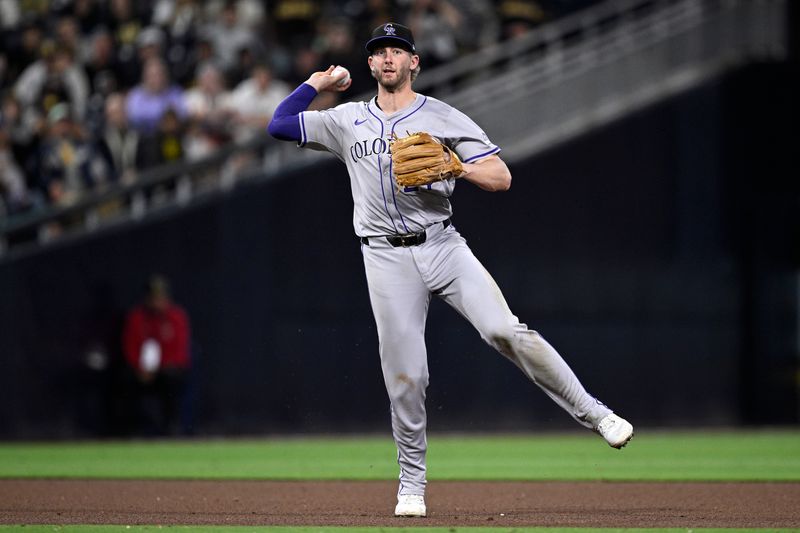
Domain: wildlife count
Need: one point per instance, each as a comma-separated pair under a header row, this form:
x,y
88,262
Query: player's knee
x,y
407,384
502,340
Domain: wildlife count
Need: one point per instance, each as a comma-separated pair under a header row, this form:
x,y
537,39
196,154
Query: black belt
x,y
409,239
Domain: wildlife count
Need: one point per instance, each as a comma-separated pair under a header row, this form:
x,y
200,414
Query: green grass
x,y
713,456
248,529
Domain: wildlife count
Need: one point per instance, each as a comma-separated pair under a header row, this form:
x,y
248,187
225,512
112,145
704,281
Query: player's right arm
x,y
285,123
326,81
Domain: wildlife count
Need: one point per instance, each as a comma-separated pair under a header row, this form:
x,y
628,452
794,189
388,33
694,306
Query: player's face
x,y
392,66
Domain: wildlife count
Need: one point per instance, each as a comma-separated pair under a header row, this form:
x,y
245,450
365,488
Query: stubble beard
x,y
401,79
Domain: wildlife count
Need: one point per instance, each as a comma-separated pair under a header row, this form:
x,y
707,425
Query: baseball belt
x,y
407,239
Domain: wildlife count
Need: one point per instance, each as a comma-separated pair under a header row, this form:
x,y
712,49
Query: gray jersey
x,y
358,133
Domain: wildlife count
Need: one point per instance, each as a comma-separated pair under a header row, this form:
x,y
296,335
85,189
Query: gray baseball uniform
x,y
402,278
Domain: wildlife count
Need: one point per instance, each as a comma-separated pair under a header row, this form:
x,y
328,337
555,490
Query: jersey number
x,y
416,188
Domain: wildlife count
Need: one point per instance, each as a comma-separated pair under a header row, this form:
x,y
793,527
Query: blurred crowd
x,y
93,92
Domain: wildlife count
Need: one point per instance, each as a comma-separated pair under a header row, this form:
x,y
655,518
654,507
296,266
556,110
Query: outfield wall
x,y
658,255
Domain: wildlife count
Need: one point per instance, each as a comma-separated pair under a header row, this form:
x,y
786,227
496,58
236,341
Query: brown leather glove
x,y
420,159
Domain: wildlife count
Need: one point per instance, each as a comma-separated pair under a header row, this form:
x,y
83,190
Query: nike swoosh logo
x,y
360,122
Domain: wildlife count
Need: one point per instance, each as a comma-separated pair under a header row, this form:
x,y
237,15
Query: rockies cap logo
x,y
389,29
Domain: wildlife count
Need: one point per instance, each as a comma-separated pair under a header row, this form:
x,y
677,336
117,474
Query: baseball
x,y
337,71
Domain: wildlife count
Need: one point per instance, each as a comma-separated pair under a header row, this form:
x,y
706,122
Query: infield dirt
x,y
502,504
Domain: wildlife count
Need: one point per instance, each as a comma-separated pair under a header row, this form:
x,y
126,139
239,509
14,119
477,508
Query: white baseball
x,y
337,71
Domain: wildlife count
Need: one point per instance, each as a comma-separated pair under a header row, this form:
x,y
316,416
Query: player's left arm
x,y
490,174
482,166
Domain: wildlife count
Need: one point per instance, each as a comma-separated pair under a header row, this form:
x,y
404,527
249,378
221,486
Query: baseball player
x,y
401,189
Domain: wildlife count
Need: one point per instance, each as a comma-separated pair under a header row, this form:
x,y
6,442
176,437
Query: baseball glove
x,y
420,159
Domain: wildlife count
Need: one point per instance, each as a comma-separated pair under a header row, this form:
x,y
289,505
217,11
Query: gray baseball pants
x,y
401,281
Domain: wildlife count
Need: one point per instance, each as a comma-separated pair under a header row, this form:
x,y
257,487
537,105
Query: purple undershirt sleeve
x,y
285,123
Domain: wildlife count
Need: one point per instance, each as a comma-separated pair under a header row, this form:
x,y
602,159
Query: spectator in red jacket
x,y
156,342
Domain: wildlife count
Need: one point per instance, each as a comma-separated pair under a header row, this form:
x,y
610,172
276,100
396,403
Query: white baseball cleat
x,y
616,430
410,505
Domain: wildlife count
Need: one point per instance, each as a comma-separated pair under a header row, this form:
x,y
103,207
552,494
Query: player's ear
x,y
414,61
